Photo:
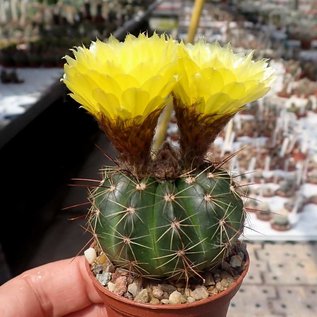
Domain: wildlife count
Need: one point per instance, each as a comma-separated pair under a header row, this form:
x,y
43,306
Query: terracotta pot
x,y
299,156
284,194
312,199
278,227
264,216
213,306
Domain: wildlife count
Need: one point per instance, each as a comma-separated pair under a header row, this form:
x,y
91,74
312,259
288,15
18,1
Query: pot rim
x,y
233,286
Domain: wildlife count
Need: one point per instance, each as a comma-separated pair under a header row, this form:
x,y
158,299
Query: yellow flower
x,y
122,80
217,81
214,84
125,85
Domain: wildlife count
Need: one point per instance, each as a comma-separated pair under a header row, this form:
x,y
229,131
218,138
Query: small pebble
x,y
133,289
111,286
175,298
157,292
101,259
187,292
118,273
110,268
103,278
90,255
213,290
168,288
128,295
97,269
120,285
154,301
219,286
226,280
200,292
190,299
209,280
165,301
142,297
236,261
166,295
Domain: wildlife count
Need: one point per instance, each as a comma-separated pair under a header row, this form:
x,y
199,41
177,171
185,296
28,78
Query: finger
x,y
54,289
91,311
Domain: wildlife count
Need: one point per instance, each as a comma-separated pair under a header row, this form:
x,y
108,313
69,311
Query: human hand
x,y
61,288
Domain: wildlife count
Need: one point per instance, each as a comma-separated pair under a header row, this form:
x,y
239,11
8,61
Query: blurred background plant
x,y
39,33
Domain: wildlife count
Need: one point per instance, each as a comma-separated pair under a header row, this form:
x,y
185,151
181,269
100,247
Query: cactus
x,y
168,227
173,214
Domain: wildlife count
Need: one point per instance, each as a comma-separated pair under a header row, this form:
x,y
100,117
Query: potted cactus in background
x,y
172,215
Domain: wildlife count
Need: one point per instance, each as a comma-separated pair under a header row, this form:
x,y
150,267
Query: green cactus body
x,y
171,228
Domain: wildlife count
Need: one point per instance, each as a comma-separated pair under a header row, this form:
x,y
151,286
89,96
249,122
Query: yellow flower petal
x,y
221,80
135,101
133,72
235,90
105,103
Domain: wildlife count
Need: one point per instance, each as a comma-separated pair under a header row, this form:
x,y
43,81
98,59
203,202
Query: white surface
x,y
304,230
16,98
304,223
309,55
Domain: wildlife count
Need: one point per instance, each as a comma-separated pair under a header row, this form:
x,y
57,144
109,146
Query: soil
x,y
134,287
